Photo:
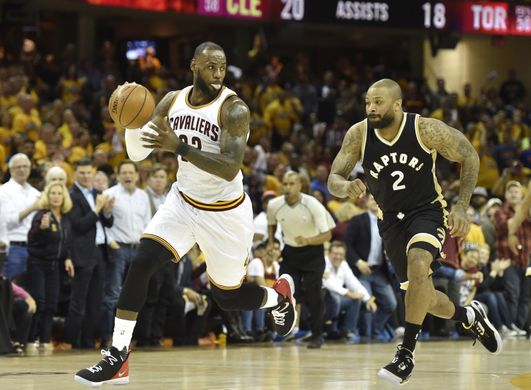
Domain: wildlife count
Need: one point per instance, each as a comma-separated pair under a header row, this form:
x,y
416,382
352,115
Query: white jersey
x,y
200,127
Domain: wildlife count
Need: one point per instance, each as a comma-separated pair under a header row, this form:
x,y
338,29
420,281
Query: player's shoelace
x,y
107,356
279,317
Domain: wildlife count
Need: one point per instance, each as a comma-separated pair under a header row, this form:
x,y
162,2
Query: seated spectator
x,y
494,300
189,309
264,271
343,293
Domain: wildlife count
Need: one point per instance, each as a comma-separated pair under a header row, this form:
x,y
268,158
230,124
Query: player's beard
x,y
205,88
381,123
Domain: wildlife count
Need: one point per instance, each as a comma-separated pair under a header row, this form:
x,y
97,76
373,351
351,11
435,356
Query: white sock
x,y
123,332
471,315
272,297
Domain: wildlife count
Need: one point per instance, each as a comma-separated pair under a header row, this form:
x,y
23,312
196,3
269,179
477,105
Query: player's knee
x,y
149,257
418,266
226,299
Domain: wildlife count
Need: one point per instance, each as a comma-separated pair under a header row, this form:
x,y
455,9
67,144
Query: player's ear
x,y
398,105
192,65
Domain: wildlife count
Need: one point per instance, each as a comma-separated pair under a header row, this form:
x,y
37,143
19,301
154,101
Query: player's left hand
x,y
458,222
164,139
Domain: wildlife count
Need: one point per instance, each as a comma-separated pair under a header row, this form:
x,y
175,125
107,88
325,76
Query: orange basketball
x,y
131,105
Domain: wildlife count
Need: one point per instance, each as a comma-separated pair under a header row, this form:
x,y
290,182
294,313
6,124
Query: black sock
x,y
460,315
411,335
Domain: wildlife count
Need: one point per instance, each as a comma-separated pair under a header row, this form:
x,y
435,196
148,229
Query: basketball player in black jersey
x,y
398,152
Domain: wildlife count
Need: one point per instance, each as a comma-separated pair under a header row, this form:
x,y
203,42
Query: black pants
x,y
306,266
22,320
85,303
185,329
44,276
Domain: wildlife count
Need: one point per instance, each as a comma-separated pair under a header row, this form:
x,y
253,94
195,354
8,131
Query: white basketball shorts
x,y
224,232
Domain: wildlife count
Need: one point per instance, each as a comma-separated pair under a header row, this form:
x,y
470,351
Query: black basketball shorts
x,y
423,228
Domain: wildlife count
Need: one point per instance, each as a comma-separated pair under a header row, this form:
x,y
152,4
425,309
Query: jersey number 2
x,y
396,185
195,141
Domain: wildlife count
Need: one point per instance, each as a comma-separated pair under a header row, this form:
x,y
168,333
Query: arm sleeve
x,y
19,291
135,149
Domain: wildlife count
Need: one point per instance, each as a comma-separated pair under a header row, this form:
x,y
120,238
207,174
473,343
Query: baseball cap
x,y
512,183
480,191
492,202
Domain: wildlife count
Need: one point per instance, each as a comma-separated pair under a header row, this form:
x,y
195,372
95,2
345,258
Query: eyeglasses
x,y
20,166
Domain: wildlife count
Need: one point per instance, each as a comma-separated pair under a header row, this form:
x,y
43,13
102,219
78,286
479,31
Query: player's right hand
x,y
355,189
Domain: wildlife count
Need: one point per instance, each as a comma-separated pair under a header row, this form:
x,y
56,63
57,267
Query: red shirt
x,y
523,233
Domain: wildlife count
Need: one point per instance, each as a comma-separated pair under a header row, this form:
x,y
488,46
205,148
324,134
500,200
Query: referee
x,y
305,225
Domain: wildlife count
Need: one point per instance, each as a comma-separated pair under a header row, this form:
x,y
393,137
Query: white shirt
x,y
307,218
260,227
3,231
131,213
14,199
335,280
256,268
376,251
157,199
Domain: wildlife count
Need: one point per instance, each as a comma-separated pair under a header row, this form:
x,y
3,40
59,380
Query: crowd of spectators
x,y
55,122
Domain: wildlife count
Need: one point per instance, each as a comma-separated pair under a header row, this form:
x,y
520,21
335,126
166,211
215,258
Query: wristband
x,y
182,149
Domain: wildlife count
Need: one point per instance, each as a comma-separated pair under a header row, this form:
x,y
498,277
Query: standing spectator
x,y
157,187
18,199
343,292
132,213
55,174
512,90
516,283
151,318
48,248
319,182
306,226
91,212
365,255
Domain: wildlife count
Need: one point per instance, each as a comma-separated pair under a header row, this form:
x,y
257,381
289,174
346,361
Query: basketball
x,y
131,105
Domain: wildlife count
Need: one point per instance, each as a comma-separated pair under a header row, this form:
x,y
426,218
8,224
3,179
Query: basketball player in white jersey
x,y
206,125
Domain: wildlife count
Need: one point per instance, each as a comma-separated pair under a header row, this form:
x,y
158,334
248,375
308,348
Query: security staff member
x,y
305,225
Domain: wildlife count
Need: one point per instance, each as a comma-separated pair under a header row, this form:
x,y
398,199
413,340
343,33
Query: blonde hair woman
x,y
48,247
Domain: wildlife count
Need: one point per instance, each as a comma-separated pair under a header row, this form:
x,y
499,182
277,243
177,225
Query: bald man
x,y
398,152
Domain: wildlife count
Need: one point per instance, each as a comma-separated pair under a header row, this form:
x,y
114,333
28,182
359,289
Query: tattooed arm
x,y
454,146
344,163
234,130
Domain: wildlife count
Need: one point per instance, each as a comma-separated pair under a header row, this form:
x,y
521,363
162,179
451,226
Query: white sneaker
x,y
519,332
506,332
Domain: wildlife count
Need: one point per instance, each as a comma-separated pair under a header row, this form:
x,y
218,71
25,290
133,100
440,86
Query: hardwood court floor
x,y
440,365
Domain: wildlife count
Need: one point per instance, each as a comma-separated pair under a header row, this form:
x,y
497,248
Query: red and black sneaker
x,y
284,314
113,369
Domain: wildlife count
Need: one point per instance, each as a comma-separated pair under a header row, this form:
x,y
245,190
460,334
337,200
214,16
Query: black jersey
x,y
400,173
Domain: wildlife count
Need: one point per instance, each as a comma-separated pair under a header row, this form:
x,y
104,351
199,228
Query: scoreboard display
x,y
493,18
457,16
